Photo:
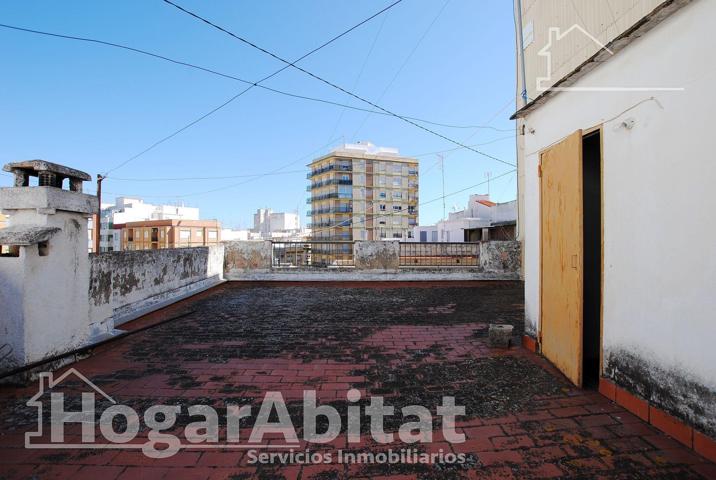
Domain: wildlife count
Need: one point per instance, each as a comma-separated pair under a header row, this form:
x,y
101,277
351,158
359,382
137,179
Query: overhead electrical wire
x,y
285,172
331,84
218,177
244,81
402,65
214,110
360,72
276,171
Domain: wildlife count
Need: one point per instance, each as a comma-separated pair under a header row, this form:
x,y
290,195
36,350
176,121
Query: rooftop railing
x,y
439,254
328,168
336,252
316,254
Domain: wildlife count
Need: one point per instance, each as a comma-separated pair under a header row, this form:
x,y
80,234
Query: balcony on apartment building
x,y
342,167
336,209
332,181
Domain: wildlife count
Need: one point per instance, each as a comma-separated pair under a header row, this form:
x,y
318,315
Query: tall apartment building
x,y
363,192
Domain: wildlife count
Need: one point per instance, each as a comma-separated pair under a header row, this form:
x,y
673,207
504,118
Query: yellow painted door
x,y
561,255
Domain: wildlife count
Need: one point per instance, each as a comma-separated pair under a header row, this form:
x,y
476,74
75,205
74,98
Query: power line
x,y
249,175
219,177
233,185
360,73
242,80
405,62
494,140
331,84
214,110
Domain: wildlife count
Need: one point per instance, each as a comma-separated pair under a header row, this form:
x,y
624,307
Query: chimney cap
x,y
34,167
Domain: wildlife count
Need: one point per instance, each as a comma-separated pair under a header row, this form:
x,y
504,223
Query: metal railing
x,y
439,254
334,252
339,209
320,254
340,167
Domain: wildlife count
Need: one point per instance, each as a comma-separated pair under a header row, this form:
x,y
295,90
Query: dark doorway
x,y
592,227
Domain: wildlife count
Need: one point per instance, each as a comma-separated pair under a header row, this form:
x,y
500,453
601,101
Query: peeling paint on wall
x,y
500,256
115,275
241,255
380,255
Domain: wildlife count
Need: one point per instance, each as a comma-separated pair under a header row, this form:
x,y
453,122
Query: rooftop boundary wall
x,y
126,285
102,292
373,261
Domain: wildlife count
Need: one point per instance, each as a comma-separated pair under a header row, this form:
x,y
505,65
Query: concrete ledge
x,y
135,310
352,275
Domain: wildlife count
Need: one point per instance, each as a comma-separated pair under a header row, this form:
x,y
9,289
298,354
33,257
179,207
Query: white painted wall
x,y
44,297
659,203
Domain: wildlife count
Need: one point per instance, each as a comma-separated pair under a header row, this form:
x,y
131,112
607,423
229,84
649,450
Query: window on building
x,y
213,235
381,207
397,195
146,234
382,195
397,208
184,234
397,182
199,234
434,236
397,235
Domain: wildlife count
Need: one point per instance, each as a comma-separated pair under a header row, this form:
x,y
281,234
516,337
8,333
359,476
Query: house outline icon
x,y
555,35
51,383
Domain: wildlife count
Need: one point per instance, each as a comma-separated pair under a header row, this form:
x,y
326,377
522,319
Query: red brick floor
x,y
410,343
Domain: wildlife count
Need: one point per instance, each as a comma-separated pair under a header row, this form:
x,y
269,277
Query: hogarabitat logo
x,y
160,420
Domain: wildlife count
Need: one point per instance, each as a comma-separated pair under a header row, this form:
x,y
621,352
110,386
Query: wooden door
x,y
561,255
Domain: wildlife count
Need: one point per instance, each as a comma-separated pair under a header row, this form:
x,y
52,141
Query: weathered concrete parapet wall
x,y
381,255
500,256
374,260
126,285
244,256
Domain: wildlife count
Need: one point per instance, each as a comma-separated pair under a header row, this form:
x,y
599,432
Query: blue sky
x,y
92,107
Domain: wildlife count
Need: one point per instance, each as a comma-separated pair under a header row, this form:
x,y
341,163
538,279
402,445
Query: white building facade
x,y
613,164
481,220
128,209
269,224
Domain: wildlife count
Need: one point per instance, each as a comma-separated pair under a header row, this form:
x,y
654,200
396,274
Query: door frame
x,y
600,128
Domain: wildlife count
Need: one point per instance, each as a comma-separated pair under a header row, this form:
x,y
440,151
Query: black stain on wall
x,y
673,392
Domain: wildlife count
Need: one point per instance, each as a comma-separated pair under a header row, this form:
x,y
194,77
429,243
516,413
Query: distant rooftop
x,y
365,149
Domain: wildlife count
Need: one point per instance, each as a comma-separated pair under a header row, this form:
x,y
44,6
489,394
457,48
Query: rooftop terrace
x,y
409,342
